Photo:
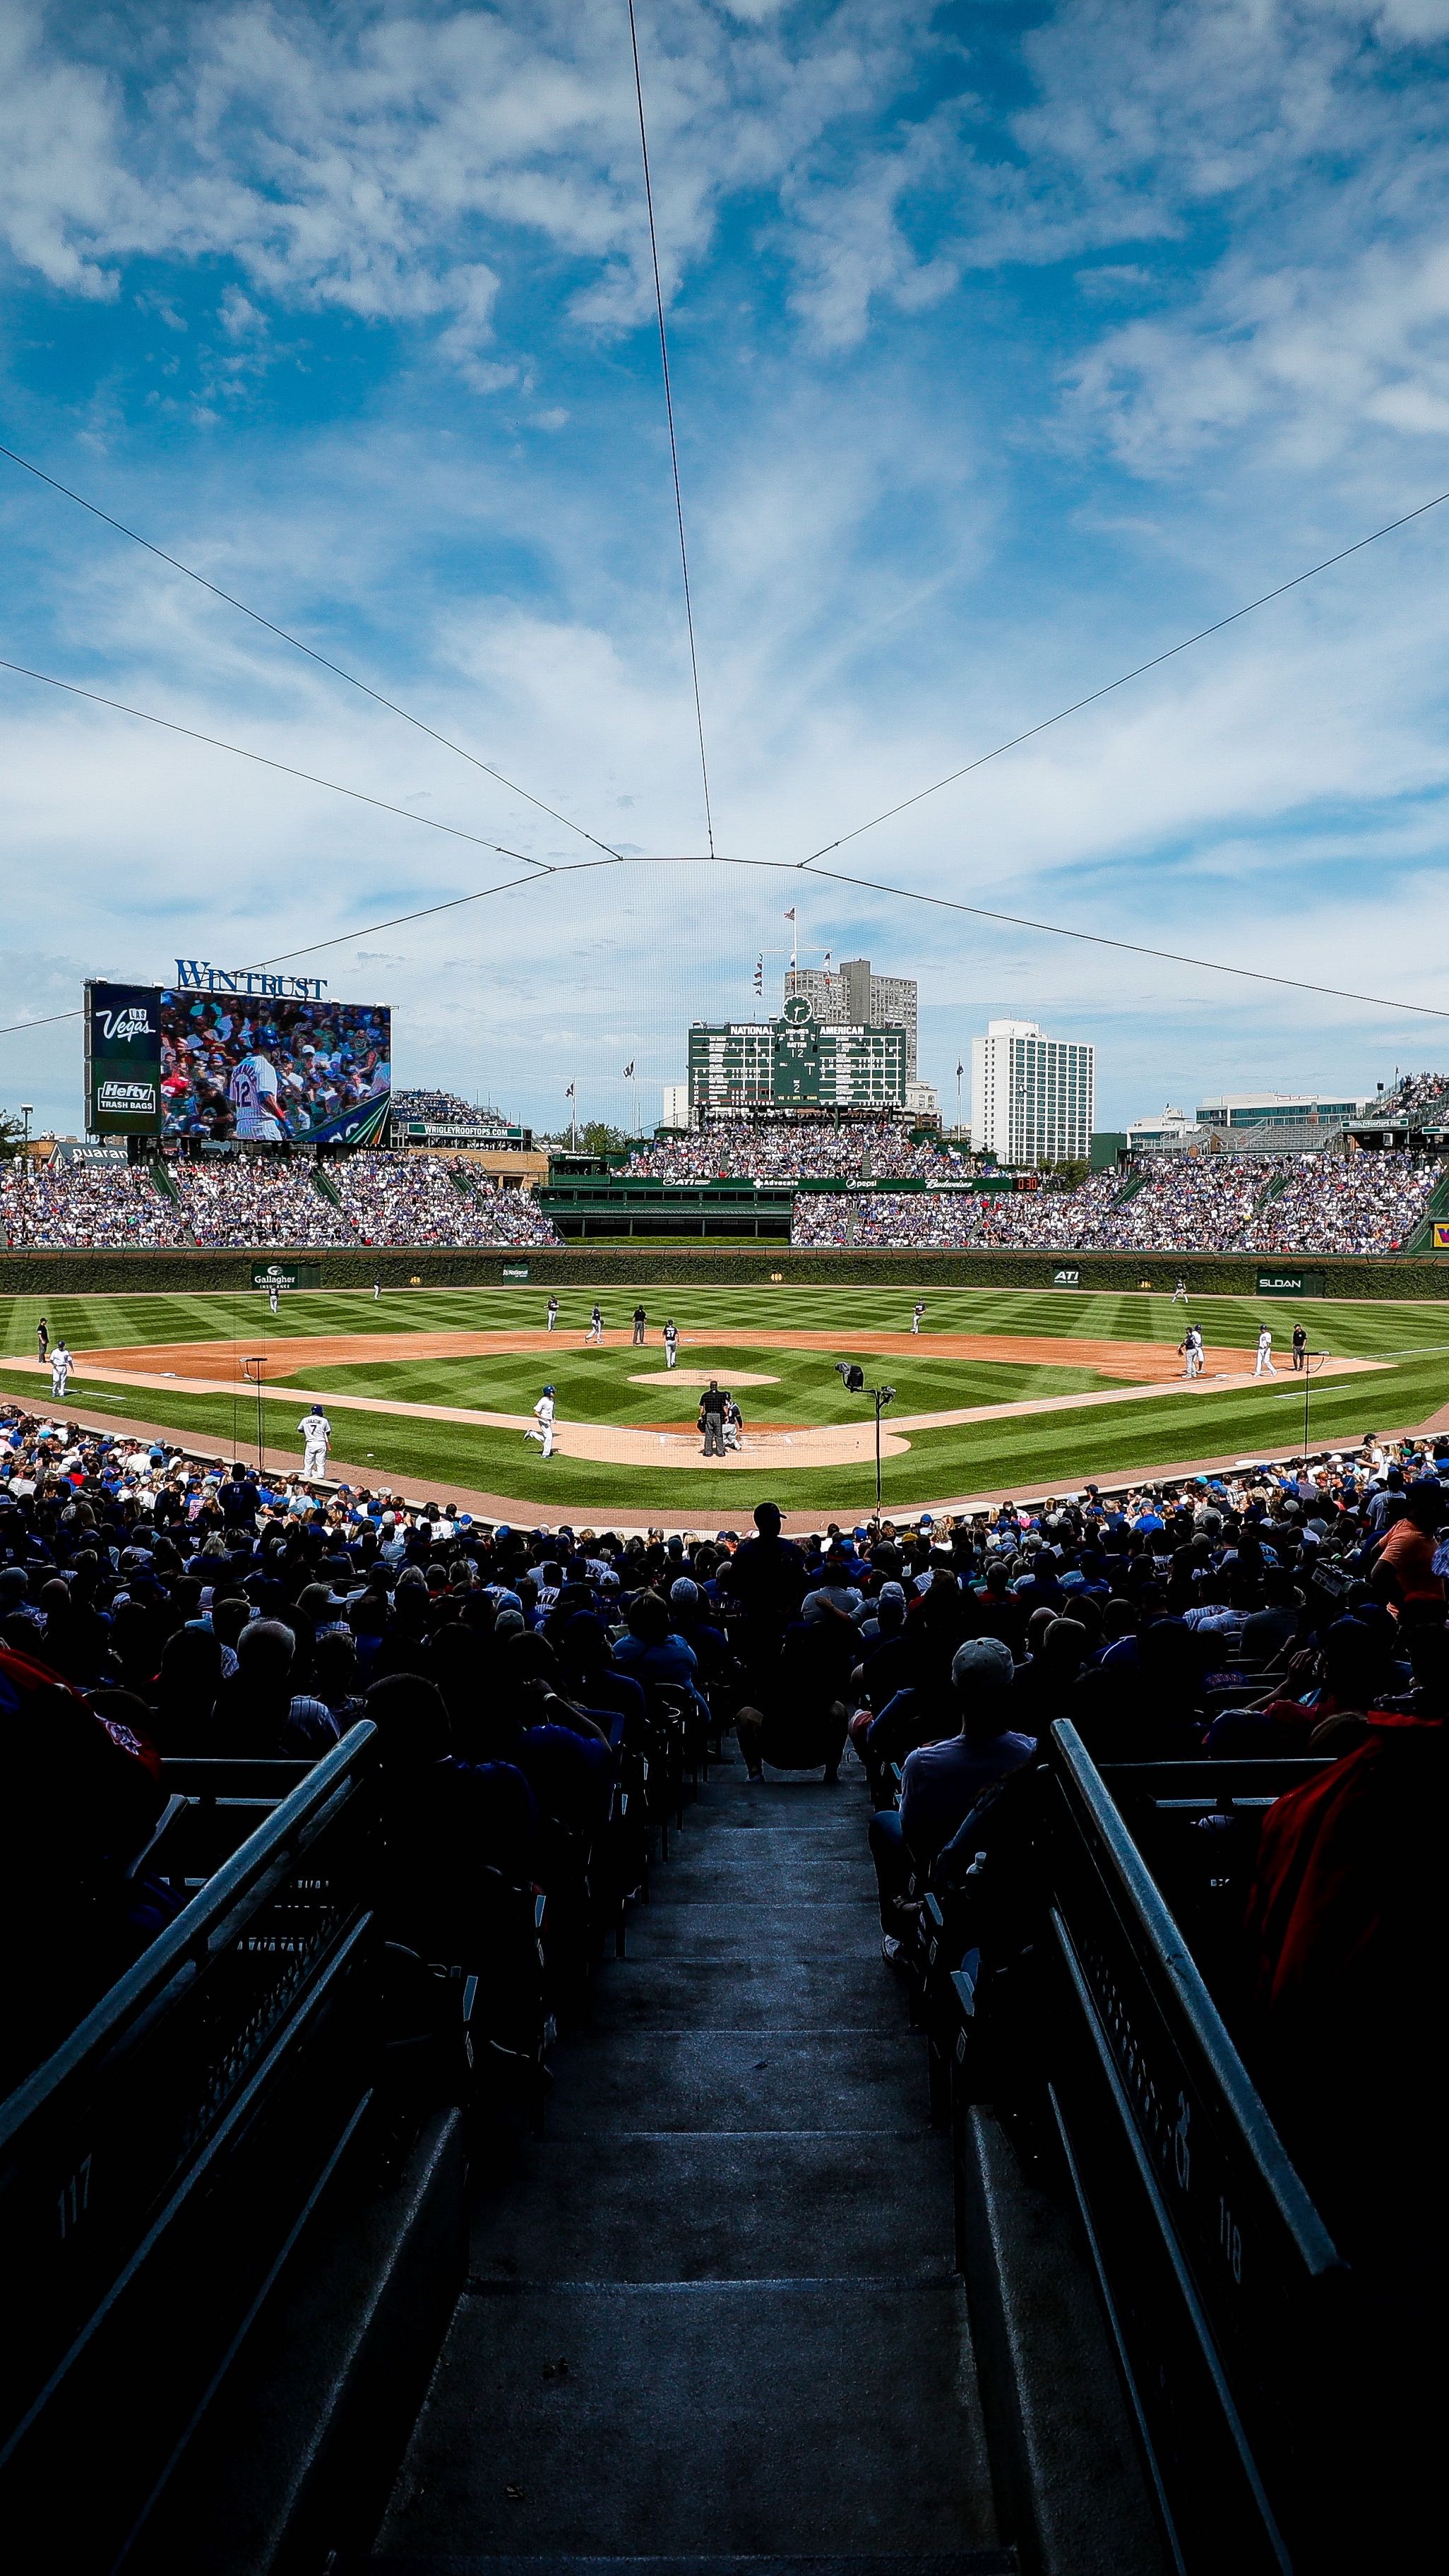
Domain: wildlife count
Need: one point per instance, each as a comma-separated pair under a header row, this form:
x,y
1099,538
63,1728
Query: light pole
x,y
27,1112
1309,1358
852,1378
247,1367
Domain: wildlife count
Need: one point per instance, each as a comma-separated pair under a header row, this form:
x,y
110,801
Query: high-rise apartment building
x,y
1031,1095
851,996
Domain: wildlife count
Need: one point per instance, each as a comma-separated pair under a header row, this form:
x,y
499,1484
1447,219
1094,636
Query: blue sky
x,y
1009,345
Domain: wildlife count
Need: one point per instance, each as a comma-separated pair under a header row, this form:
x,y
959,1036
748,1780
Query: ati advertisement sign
x,y
123,1059
1066,1278
1293,1283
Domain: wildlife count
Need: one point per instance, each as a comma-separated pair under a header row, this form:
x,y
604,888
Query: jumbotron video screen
x,y
274,1072
236,1068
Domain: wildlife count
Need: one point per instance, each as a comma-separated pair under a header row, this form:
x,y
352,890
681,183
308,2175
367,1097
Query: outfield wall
x,y
597,1267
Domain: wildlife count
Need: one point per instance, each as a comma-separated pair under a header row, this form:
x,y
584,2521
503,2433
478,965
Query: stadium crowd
x,y
1416,1098
246,1202
83,1203
198,1606
1308,1203
771,1149
440,1109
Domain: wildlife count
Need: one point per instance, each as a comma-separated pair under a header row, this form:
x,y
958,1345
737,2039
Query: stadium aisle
x,y
716,2317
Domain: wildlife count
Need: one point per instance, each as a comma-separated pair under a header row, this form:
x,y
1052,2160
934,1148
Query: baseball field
x,y
999,1391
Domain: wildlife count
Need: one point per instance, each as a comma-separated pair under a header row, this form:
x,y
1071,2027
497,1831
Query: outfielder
x,y
916,1317
595,1332
273,1300
552,1312
61,1365
671,1343
1179,1294
543,1422
1265,1366
316,1433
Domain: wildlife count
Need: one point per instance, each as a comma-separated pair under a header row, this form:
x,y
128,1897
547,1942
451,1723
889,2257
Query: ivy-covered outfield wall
x,y
628,1266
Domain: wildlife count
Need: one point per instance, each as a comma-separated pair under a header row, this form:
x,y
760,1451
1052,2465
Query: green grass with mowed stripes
x,y
1028,1453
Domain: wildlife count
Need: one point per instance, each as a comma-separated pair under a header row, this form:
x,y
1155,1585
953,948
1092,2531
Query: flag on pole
x,y
571,1092
759,974
790,915
629,1072
960,1069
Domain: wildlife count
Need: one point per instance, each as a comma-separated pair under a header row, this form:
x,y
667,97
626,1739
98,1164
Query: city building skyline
x,y
852,995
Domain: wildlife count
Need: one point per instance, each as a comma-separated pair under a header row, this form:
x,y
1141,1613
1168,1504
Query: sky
x,y
1009,345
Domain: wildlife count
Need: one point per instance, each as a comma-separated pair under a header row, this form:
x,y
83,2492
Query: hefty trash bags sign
x,y
123,1060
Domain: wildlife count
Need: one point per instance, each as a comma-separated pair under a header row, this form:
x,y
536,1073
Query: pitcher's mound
x,y
701,1377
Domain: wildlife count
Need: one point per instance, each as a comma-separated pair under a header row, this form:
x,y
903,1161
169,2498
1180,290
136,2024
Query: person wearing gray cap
x,y
941,1783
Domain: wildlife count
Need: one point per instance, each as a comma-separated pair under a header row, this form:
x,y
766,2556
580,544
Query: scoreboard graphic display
x,y
236,1069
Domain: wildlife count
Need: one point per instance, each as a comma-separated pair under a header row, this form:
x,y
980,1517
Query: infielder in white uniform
x,y
252,1092
595,1332
61,1365
316,1433
1265,1355
543,1416
671,1343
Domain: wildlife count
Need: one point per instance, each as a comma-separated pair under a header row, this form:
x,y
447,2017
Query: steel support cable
x,y
673,442
213,742
1106,691
834,876
286,637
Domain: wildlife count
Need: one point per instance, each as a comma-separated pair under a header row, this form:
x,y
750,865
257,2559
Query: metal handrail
x,y
190,1936
1162,1944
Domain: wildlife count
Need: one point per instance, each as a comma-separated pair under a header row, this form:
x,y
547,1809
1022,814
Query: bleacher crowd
x,y
1369,1203
378,1198
769,1149
1416,1099
437,1108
